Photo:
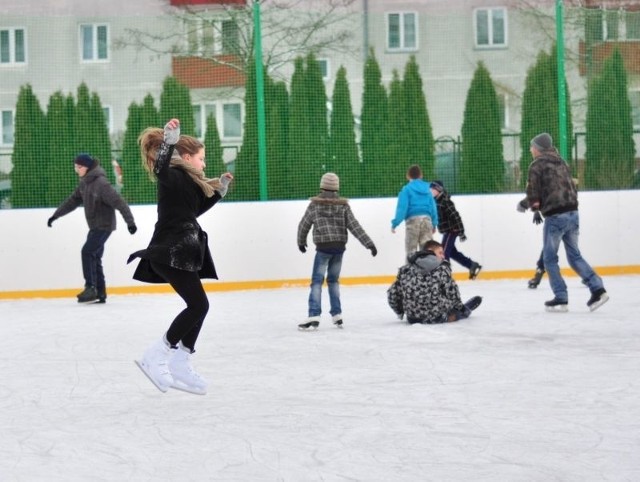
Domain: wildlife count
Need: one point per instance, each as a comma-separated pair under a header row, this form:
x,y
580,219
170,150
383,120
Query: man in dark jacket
x,y
552,191
100,201
426,292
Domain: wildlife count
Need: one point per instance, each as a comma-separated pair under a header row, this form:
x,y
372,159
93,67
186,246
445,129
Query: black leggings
x,y
186,326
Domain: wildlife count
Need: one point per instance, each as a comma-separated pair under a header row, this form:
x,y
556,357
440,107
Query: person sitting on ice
x,y
425,290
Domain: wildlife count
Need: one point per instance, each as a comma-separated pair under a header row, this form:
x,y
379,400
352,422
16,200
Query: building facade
x,y
56,46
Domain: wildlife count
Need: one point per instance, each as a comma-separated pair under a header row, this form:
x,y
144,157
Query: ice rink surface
x,y
510,394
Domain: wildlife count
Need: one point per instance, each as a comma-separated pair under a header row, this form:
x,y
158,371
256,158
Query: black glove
x,y
537,218
373,250
132,228
51,220
463,238
522,206
302,248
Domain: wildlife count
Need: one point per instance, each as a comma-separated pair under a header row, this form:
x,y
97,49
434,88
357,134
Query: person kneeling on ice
x,y
425,290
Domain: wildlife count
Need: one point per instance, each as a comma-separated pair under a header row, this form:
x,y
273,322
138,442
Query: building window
x,y
207,37
228,118
201,113
490,27
231,120
13,46
402,31
106,110
94,42
632,25
613,25
634,98
325,68
6,124
503,106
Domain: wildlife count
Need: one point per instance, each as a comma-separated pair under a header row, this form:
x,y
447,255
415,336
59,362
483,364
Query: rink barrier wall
x,y
254,244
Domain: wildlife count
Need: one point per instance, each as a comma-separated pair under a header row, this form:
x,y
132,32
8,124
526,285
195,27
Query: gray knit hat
x,y
542,142
330,182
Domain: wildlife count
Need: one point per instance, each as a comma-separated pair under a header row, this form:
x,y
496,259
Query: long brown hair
x,y
152,138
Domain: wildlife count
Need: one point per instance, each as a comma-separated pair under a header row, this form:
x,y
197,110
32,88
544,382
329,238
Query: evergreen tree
x,y
213,149
246,170
482,169
398,132
84,122
137,185
61,179
343,150
277,133
610,155
540,109
318,134
374,140
175,102
420,147
30,142
150,115
101,148
298,162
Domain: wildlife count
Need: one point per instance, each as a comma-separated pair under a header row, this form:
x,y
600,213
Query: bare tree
x,y
224,34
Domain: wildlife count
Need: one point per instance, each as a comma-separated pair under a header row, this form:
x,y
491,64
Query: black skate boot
x,y
470,305
474,270
337,321
89,295
556,306
310,324
537,277
473,303
598,298
102,296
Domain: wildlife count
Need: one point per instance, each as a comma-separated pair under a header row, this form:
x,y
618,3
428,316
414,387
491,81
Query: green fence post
x,y
262,134
562,95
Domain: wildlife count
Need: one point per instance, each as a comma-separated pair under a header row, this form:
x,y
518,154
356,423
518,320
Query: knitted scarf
x,y
208,186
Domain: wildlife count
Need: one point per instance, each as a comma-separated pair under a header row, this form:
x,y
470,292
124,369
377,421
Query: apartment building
x,y
124,51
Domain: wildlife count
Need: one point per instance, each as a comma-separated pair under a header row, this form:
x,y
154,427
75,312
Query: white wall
x,y
257,241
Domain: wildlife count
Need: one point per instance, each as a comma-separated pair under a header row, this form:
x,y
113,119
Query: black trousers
x,y
91,254
186,326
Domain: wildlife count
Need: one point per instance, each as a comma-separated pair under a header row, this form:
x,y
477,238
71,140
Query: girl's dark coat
x,y
178,240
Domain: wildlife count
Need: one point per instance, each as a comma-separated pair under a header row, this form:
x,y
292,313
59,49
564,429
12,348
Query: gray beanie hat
x,y
542,142
330,182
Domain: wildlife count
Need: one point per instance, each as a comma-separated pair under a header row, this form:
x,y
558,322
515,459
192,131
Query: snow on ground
x,y
512,393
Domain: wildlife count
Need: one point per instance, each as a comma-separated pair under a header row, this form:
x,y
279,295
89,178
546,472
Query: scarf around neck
x,y
208,186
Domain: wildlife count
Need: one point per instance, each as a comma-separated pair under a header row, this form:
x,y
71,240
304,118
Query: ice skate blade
x,y
186,388
557,309
603,299
143,367
89,302
310,326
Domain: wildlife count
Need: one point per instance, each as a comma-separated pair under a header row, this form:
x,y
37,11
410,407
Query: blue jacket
x,y
415,199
